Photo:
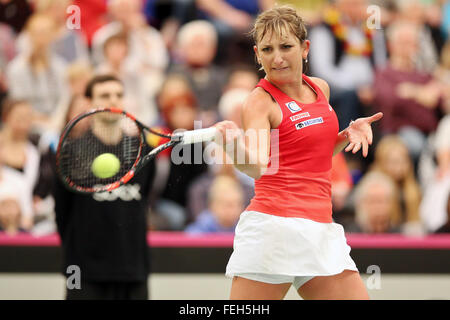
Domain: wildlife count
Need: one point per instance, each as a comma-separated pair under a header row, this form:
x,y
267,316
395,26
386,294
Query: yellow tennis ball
x,y
105,165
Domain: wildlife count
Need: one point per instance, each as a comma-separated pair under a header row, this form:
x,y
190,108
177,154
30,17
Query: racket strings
x,y
93,136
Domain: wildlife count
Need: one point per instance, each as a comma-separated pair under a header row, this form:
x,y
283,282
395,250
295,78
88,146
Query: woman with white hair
x,y
196,49
376,204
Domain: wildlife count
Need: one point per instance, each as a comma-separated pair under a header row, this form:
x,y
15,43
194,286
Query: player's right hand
x,y
229,131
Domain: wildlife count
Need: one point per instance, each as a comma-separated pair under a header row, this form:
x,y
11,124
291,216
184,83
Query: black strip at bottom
x,y
16,259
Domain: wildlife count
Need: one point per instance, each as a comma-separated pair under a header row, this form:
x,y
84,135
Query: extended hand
x,y
229,131
359,133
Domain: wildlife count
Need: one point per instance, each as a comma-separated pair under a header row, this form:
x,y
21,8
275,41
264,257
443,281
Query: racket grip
x,y
199,135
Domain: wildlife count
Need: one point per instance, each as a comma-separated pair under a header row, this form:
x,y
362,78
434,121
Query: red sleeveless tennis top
x,y
298,180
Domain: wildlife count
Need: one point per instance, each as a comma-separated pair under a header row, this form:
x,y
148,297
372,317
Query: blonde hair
x,y
43,5
277,21
408,186
78,70
38,17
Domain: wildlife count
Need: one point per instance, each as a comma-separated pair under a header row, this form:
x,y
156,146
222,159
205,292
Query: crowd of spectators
x,y
190,62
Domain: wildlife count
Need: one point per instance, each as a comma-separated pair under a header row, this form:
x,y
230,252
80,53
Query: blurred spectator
x,y
67,43
414,12
200,187
168,15
140,85
230,107
115,51
309,10
231,19
345,51
44,203
105,234
434,158
15,204
434,20
341,187
393,159
38,75
443,146
7,45
76,77
7,53
407,97
437,184
433,208
146,46
17,152
388,11
442,76
242,77
93,17
196,48
225,204
230,104
176,167
15,13
446,227
230,16
376,205
10,211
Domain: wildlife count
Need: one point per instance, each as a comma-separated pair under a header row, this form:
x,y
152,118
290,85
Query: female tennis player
x,y
286,236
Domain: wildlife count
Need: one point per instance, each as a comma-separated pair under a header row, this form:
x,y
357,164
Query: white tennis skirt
x,y
269,244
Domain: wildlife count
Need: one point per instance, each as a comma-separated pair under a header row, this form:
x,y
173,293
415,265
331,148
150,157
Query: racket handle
x,y
199,135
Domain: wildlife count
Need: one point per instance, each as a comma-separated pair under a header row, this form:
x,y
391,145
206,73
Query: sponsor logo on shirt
x,y
308,123
127,192
293,107
300,116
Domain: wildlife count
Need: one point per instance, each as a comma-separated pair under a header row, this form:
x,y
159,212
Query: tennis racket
x,y
122,138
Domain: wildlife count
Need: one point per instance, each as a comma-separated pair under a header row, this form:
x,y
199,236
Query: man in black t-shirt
x,y
104,235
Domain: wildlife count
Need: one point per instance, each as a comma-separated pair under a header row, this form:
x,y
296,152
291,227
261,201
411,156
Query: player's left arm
x,y
359,132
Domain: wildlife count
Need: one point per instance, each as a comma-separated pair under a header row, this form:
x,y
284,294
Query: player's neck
x,y
296,90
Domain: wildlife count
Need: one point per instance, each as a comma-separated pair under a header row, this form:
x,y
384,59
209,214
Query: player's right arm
x,y
251,147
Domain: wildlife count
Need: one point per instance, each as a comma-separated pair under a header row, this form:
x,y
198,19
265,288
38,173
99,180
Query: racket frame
x,y
139,163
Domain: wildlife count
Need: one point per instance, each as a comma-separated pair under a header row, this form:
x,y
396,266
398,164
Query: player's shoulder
x,y
323,85
259,100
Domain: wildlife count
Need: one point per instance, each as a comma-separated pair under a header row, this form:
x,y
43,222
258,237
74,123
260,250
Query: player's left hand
x,y
359,134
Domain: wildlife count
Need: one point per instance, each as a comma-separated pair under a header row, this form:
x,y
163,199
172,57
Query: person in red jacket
x,y
286,235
